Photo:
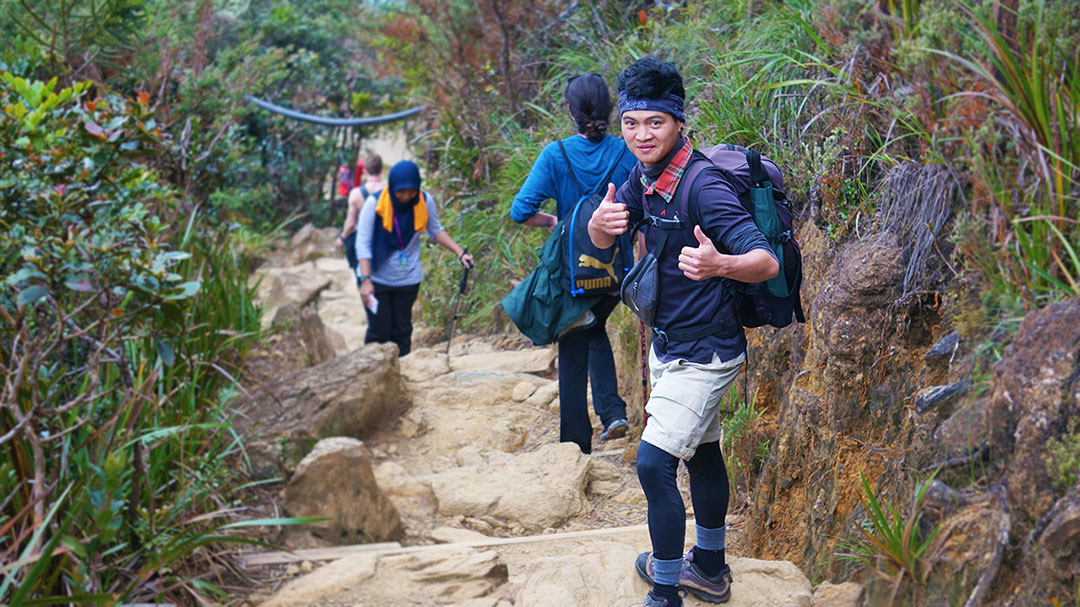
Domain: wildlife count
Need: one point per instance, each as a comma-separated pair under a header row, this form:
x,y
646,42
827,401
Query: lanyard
x,y
397,230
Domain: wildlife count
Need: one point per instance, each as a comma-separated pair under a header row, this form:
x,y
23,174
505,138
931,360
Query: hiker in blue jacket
x,y
583,354
698,345
388,253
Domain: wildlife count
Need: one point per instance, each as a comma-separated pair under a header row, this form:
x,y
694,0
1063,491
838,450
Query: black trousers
x,y
393,322
584,355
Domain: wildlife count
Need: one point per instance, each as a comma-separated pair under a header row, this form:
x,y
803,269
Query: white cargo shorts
x,y
684,402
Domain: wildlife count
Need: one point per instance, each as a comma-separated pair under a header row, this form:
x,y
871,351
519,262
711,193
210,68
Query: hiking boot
x,y
693,580
651,600
715,589
616,429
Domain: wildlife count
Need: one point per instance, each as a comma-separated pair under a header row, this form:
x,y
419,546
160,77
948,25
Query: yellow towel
x,y
384,208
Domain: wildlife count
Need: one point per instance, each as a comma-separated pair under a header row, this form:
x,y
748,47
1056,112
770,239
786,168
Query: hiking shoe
x,y
693,580
651,600
616,429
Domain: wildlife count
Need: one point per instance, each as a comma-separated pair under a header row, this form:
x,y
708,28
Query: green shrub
x,y
119,336
744,451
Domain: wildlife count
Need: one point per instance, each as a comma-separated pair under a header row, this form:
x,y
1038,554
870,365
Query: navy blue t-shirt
x,y
686,303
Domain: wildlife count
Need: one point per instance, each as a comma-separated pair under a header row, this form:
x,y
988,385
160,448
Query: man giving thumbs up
x,y
699,345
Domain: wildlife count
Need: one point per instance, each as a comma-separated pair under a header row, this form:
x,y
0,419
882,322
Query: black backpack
x,y
758,183
587,270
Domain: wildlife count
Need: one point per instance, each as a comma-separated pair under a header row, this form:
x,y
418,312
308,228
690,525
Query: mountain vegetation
x,y
139,188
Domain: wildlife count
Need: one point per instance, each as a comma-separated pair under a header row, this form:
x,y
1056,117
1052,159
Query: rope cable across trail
x,y
337,122
347,133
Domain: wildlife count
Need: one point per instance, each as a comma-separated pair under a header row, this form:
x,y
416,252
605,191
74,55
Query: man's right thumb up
x,y
701,237
610,196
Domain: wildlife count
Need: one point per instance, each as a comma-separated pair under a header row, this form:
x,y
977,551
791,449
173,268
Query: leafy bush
x,y
118,329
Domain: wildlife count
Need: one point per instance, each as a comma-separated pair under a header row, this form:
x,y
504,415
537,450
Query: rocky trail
x,y
442,476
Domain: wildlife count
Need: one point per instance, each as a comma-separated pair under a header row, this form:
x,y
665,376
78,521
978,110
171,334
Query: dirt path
x,y
475,463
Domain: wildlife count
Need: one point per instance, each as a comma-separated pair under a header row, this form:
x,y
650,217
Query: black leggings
x,y
709,492
393,322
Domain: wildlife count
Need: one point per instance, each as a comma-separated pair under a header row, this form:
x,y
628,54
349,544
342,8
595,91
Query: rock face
x,y
336,480
538,490
831,400
349,395
325,582
884,386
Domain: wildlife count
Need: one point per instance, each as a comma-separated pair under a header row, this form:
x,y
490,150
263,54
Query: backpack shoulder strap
x,y
603,182
570,167
689,194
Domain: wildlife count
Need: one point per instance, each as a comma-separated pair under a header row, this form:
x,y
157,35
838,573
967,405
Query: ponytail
x,y
590,105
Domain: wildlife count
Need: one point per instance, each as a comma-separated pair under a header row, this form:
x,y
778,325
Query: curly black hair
x,y
651,78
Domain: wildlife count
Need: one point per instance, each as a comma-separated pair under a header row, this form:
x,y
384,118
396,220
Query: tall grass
x,y
1029,185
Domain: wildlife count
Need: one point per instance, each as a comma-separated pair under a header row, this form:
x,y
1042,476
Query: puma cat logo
x,y
588,261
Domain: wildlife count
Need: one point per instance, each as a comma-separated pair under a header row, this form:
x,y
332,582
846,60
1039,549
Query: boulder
x,y
349,395
325,582
533,360
310,243
341,275
343,313
412,497
336,480
541,489
470,408
544,396
523,390
848,594
298,285
316,340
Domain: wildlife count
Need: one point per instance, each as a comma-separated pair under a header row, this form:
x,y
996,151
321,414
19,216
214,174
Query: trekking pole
x,y
457,302
644,374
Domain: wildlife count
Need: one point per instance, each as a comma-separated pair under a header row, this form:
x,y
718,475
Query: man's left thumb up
x,y
701,237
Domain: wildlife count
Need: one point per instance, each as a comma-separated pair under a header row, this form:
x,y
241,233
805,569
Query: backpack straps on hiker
x,y
724,326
